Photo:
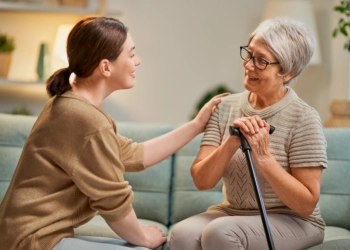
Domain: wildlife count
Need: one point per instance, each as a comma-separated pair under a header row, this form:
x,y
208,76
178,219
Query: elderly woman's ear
x,y
287,78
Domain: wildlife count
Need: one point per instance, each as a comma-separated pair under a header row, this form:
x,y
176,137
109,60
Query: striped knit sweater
x,y
298,141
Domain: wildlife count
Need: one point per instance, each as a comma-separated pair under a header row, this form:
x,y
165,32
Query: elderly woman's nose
x,y
249,65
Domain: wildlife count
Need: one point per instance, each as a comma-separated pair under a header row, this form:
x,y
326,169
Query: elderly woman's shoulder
x,y
301,104
304,110
229,103
231,98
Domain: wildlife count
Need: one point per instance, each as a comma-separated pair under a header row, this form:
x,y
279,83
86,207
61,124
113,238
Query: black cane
x,y
246,149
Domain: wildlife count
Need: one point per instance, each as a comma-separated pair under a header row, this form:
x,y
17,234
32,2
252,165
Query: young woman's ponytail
x,y
58,82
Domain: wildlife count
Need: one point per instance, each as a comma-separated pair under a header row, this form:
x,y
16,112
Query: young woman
x,y
73,161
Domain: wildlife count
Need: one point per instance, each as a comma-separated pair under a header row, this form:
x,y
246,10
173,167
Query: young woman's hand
x,y
154,236
130,230
159,148
206,111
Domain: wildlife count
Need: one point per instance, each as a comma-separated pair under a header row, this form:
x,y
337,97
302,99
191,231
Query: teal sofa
x,y
165,193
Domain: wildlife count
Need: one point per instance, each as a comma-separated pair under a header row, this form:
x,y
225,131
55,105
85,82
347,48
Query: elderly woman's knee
x,y
218,235
185,237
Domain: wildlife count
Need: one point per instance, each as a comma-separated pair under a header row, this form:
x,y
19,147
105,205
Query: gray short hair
x,y
290,41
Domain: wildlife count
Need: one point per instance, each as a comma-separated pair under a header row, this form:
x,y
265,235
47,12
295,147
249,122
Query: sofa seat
x,y
97,230
112,241
336,233
340,244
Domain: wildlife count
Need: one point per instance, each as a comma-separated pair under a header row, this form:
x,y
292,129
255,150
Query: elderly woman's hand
x,y
251,124
256,132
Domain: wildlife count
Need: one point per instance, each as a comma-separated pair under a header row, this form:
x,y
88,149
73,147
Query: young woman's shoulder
x,y
77,112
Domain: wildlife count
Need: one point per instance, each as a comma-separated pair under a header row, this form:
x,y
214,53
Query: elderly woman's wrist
x,y
266,159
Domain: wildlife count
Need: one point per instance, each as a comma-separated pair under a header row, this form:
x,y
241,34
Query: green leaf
x,y
335,32
339,8
343,31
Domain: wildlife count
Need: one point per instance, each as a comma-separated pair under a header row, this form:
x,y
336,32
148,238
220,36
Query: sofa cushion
x,y
98,227
186,199
335,189
336,233
343,244
152,186
112,241
14,130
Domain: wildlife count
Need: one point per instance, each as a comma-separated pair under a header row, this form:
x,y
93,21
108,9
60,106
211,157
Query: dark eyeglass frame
x,y
253,57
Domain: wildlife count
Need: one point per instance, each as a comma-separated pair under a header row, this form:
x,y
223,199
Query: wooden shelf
x,y
90,8
9,82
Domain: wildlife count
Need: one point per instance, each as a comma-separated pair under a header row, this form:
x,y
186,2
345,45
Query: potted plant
x,y
340,109
7,46
343,24
22,110
219,89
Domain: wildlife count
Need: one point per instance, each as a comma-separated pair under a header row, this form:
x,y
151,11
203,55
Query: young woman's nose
x,y
137,61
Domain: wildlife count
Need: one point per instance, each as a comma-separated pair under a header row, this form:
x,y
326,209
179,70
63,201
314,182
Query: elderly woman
x,y
288,163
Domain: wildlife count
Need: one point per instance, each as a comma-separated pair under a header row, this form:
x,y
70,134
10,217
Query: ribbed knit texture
x,y
71,167
298,141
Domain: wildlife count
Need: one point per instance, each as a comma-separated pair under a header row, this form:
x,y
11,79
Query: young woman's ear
x,y
104,67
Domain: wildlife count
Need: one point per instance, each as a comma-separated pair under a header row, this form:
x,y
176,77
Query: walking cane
x,y
246,149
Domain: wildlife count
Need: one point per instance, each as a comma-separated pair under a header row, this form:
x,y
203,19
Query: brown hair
x,y
91,40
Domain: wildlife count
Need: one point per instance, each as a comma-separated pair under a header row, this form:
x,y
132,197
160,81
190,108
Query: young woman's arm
x,y
159,148
130,230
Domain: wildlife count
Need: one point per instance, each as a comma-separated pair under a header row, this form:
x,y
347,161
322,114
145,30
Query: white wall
x,y
189,46
186,48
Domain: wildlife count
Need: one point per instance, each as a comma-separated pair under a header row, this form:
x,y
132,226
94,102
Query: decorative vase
x,y
42,68
340,110
5,61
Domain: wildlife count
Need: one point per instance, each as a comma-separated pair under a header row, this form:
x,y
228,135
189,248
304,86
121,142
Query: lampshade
x,y
301,10
59,54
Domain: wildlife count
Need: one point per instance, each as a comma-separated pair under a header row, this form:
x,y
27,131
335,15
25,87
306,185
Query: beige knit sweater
x,y
71,168
298,141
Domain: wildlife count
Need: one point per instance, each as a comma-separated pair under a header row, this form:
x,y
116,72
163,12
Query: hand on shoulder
x,y
207,110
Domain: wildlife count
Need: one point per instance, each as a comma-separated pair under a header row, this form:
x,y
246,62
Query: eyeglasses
x,y
257,61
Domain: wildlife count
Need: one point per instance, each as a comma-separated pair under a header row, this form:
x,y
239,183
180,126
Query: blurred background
x,y
187,49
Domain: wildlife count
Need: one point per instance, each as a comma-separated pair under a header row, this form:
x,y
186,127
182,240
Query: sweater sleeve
x,y
98,173
212,135
131,154
308,144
